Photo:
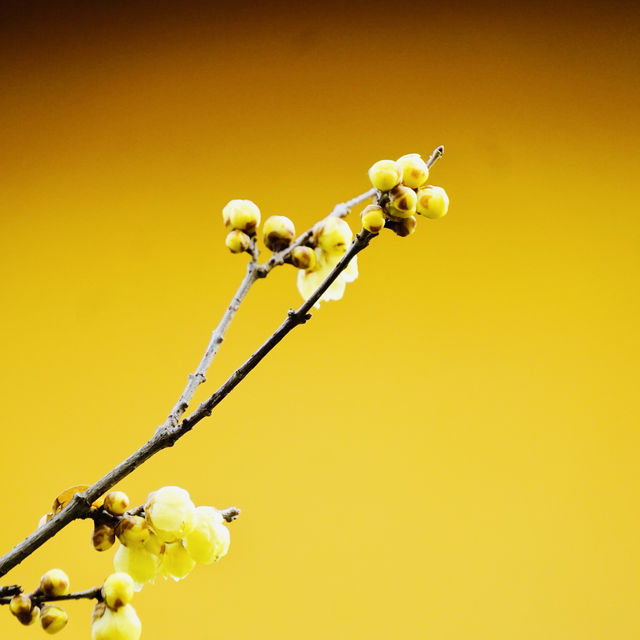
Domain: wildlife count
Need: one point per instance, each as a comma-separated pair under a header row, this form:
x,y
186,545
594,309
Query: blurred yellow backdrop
x,y
450,452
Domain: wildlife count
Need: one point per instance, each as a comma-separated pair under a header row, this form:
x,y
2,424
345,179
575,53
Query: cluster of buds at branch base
x,y
168,536
26,608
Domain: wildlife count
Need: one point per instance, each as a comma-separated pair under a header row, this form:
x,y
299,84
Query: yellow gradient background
x,y
450,452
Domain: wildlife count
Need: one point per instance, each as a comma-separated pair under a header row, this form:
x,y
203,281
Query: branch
x,y
339,211
165,436
294,318
200,374
38,597
172,430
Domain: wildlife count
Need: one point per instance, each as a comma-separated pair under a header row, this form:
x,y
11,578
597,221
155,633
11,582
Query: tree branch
x,y
200,374
294,318
167,434
37,597
339,211
172,430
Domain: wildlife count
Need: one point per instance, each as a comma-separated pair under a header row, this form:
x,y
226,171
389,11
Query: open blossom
x,y
176,563
142,565
209,540
170,512
332,237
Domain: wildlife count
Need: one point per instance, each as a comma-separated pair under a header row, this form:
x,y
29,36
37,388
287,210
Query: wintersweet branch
x,y
294,318
167,434
200,374
37,598
395,202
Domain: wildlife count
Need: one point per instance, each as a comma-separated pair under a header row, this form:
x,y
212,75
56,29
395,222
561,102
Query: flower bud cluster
x,y
114,618
403,193
170,538
242,218
53,584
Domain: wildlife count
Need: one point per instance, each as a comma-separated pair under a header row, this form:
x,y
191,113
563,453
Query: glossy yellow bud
x,y
176,562
433,202
278,233
133,531
170,512
402,202
53,619
118,589
121,624
54,583
210,539
333,235
237,241
21,608
103,537
303,258
140,564
372,218
241,214
116,502
404,227
384,175
414,170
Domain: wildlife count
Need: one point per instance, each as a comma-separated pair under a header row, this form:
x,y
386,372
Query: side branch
x,y
294,318
200,374
339,211
38,597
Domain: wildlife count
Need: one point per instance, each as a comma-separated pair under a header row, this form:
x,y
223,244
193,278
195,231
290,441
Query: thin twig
x,y
339,211
200,374
294,318
38,597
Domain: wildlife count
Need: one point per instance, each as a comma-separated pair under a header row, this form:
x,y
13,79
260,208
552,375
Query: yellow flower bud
x,y
433,202
103,537
384,175
20,606
116,502
333,235
53,619
140,564
402,203
303,258
210,539
414,170
170,512
237,241
403,227
54,583
118,589
133,531
372,218
278,233
122,624
241,214
176,562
